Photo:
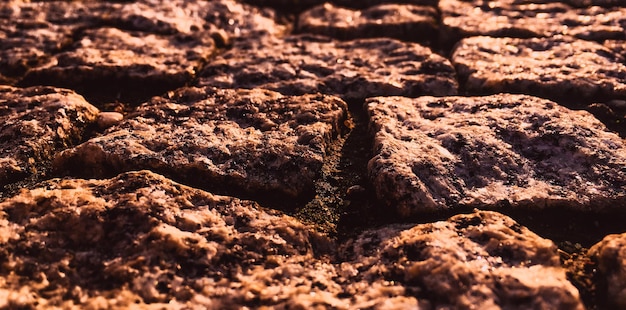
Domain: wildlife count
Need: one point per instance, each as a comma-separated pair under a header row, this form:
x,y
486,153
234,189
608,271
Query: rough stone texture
x,y
141,239
124,51
353,70
507,18
35,124
299,5
500,150
255,140
558,67
193,17
610,255
482,260
403,22
109,61
27,38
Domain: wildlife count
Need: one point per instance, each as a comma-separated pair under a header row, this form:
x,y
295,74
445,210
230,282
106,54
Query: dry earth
x,y
224,154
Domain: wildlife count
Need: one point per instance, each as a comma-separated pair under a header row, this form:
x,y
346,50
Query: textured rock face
x,y
610,254
500,150
525,19
35,124
556,68
483,260
108,58
403,22
140,238
120,51
253,140
353,69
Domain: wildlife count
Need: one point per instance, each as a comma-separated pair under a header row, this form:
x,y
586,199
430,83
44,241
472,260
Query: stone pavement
x,y
300,154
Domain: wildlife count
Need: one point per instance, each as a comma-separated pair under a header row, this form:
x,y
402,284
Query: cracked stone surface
x,y
249,120
557,67
436,153
400,21
257,141
35,124
140,239
524,19
356,69
483,259
109,59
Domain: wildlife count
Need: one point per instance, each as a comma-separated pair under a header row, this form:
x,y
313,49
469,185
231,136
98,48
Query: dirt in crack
x,y
344,202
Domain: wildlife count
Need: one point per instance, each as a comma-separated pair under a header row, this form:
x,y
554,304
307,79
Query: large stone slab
x,y
353,69
399,21
502,150
142,239
560,68
35,124
481,260
610,256
244,141
521,19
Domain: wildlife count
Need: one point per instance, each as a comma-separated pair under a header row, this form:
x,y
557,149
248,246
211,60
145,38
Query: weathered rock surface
x,y
253,140
122,51
558,68
141,239
356,69
404,22
522,19
193,17
610,255
28,38
35,124
500,150
109,59
482,260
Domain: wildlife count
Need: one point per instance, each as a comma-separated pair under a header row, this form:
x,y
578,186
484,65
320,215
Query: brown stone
x,y
142,239
482,260
559,68
253,141
500,150
610,256
110,64
356,69
35,124
292,6
399,21
522,19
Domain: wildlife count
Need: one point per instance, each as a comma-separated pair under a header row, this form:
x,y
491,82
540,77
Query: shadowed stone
x,y
501,150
